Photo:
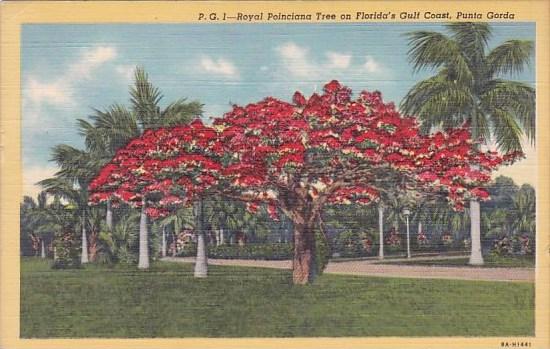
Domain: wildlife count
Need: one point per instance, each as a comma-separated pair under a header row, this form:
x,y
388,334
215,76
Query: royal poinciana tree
x,y
296,158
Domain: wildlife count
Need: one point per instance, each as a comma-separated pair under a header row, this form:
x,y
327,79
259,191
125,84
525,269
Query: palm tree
x,y
68,185
524,210
469,88
33,218
112,128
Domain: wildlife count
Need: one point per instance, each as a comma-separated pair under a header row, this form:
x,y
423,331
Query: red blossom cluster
x,y
167,166
328,148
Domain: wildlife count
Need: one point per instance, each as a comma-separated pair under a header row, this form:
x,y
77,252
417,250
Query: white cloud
x,y
90,60
219,66
57,92
371,65
338,60
126,71
60,92
296,59
298,62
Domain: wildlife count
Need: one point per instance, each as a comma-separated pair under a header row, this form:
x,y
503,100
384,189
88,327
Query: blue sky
x,y
69,69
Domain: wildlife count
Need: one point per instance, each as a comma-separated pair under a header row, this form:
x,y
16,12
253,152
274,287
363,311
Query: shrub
x,y
354,244
393,241
322,252
503,246
67,251
515,245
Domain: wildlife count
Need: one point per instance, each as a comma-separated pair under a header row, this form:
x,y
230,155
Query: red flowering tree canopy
x,y
297,156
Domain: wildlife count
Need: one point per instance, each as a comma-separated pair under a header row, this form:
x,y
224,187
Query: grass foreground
x,y
166,301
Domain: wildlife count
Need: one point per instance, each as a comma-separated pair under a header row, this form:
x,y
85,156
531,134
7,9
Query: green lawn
x,y
491,261
167,301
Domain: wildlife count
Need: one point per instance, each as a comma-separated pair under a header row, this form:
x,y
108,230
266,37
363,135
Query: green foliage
x,y
351,244
120,244
67,251
322,252
274,251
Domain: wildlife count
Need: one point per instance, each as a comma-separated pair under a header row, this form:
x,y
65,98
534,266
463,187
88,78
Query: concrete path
x,y
371,268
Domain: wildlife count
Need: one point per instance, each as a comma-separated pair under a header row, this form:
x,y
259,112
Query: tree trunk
x,y
143,261
476,257
381,231
303,266
54,253
42,249
201,262
163,246
84,253
222,241
174,244
109,218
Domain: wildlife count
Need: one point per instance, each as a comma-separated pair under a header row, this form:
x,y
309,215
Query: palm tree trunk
x,y
42,249
201,262
84,253
381,231
163,247
109,216
476,258
143,259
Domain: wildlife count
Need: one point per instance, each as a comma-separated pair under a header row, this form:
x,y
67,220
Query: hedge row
x,y
273,251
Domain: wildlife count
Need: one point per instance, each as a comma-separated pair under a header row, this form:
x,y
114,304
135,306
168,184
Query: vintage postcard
x,y
314,174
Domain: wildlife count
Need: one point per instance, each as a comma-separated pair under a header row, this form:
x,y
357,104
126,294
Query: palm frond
x,y
472,38
511,57
145,99
435,50
94,140
480,127
62,188
438,101
117,125
180,112
506,131
517,99
74,164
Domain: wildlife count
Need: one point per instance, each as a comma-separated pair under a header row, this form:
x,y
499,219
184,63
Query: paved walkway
x,y
371,268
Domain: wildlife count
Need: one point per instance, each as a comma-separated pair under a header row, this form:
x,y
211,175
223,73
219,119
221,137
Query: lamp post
x,y
406,212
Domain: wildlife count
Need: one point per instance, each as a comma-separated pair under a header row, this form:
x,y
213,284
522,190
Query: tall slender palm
x,y
469,87
76,170
113,127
